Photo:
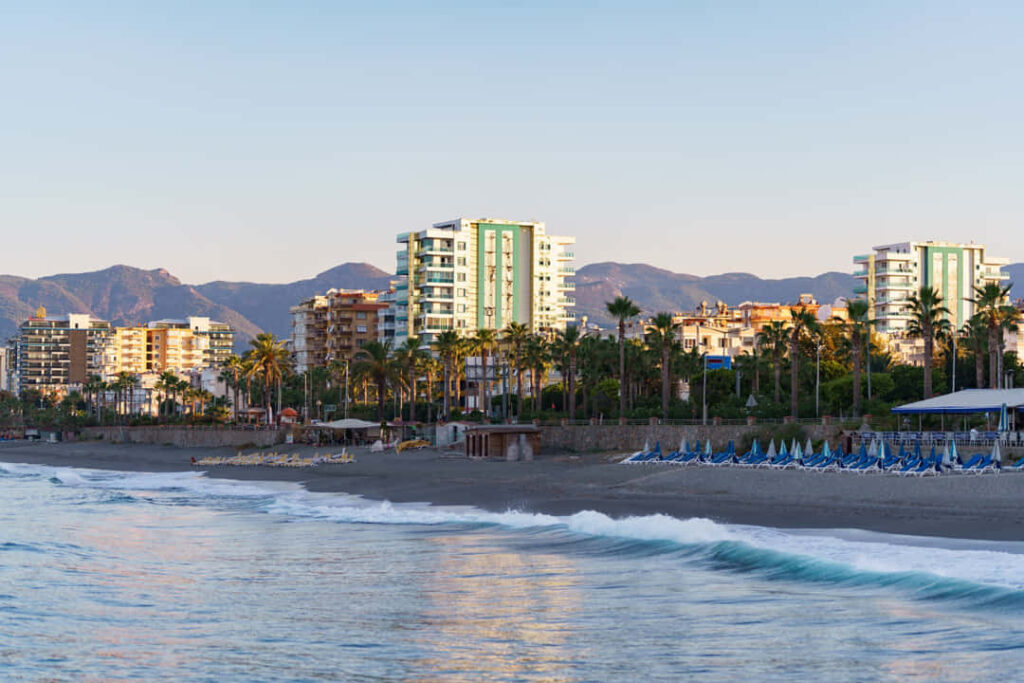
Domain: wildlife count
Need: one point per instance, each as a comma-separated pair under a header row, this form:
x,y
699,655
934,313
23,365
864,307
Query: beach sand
x,y
955,506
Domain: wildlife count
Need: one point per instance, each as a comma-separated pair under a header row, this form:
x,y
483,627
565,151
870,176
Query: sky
x,y
269,141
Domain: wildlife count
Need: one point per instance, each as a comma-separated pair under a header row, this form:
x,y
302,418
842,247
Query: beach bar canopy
x,y
966,401
350,423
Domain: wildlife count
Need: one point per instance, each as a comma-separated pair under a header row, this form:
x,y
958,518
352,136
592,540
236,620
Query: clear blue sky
x,y
272,140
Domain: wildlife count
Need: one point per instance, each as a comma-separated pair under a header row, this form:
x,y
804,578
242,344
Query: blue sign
x,y
719,362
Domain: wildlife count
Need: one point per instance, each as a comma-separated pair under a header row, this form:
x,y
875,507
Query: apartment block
x,y
58,352
467,275
335,326
892,272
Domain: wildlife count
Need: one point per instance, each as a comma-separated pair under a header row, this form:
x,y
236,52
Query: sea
x,y
109,575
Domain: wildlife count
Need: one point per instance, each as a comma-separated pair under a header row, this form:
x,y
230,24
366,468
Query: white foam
x,y
880,553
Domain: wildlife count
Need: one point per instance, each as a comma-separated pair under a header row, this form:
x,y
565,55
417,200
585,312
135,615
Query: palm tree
x,y
975,333
535,356
375,363
623,308
927,319
269,358
662,334
447,346
569,344
516,335
484,341
774,337
857,325
803,322
409,356
234,365
988,300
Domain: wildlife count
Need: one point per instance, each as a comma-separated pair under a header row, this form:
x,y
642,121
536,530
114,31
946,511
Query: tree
x,y
447,345
536,356
774,337
410,356
269,359
375,363
569,344
857,325
927,320
803,322
516,335
988,301
661,334
234,366
484,342
622,308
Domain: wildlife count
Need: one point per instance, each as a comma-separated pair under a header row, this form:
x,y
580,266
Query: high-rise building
x,y
892,272
482,274
4,368
58,352
212,342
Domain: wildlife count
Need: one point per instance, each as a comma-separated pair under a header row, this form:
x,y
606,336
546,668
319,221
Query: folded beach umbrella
x,y
1004,419
954,455
647,446
873,449
783,451
772,453
808,447
798,455
707,447
997,455
793,446
825,450
946,459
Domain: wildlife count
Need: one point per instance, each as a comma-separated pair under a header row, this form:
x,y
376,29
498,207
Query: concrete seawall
x,y
187,437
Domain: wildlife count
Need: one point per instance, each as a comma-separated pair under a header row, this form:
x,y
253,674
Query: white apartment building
x,y
892,272
467,275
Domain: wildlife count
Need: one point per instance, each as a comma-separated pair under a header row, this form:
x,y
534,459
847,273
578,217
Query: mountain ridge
x,y
126,295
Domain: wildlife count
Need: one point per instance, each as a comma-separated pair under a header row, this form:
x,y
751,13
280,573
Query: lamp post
x,y
704,393
817,380
953,391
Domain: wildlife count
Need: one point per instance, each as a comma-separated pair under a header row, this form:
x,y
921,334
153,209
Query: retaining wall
x,y
187,437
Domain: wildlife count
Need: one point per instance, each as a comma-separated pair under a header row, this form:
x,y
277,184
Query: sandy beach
x,y
955,506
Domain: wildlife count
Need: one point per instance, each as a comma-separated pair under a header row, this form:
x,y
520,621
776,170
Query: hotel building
x,y
467,275
892,272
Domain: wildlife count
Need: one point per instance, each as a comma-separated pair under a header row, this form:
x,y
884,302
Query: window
x,y
360,315
361,328
462,308
462,277
462,260
462,246
461,292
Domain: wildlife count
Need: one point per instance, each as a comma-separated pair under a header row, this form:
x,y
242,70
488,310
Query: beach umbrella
x,y
783,451
954,456
825,450
873,450
772,453
707,447
808,447
1004,419
997,455
798,455
682,445
880,452
793,446
647,446
947,461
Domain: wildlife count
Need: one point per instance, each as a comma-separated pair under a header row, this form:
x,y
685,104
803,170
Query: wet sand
x,y
955,506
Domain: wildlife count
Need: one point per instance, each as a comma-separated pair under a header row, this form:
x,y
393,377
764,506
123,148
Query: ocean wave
x,y
972,577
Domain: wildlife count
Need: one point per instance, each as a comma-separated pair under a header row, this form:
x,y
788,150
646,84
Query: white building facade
x,y
893,272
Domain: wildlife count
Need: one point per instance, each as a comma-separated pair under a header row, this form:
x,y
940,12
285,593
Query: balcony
x,y
860,289
861,258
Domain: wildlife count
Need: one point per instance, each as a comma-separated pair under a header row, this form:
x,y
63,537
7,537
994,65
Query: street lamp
x,y
817,380
704,392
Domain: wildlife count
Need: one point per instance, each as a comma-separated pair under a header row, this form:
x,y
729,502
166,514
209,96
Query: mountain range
x,y
125,295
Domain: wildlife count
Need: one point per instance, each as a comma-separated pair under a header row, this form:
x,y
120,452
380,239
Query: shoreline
x,y
981,507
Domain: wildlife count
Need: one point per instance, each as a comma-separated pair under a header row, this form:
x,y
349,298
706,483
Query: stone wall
x,y
187,437
615,437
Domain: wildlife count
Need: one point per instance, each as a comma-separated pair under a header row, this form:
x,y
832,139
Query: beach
x,y
953,506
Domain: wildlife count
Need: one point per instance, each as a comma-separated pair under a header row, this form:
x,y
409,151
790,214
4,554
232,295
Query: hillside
x,y
267,305
655,289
